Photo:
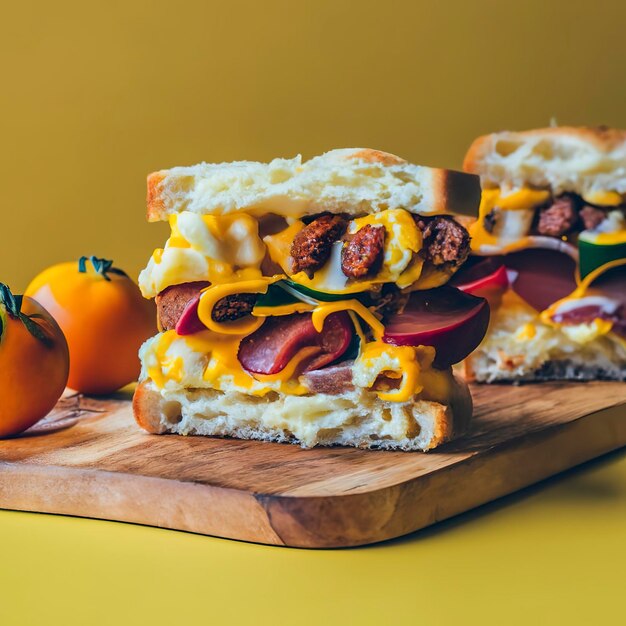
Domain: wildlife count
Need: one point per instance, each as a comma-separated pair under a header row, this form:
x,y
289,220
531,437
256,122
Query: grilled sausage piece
x,y
171,302
363,254
445,241
233,307
559,218
592,216
311,246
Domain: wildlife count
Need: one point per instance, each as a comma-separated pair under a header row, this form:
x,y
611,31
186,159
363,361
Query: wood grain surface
x,y
90,459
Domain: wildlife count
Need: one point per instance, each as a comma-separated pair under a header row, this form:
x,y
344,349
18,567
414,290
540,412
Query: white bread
x,y
520,347
562,159
352,181
356,418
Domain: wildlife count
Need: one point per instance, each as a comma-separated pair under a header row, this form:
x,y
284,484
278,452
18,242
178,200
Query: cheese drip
x,y
215,248
517,211
582,333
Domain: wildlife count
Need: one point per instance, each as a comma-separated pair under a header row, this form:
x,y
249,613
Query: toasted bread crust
x,y
454,189
148,408
292,188
451,420
603,138
154,199
375,156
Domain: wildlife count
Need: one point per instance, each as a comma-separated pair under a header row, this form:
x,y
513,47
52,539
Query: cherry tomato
x,y
34,362
104,317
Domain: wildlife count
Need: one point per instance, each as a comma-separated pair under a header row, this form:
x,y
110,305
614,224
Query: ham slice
x,y
271,347
541,276
333,380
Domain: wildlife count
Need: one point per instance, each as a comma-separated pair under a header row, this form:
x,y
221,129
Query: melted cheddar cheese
x,y
581,333
411,365
603,198
214,248
213,294
324,309
519,205
209,359
227,252
400,265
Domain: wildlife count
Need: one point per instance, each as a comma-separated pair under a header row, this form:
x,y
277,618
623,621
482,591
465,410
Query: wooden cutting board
x,y
97,463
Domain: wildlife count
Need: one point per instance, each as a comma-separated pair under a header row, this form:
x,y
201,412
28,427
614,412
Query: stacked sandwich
x,y
307,302
549,251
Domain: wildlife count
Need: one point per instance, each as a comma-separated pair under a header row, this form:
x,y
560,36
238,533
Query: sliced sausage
x,y
445,241
312,245
363,254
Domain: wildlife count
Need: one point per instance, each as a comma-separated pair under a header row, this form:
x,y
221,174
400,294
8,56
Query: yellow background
x,y
96,95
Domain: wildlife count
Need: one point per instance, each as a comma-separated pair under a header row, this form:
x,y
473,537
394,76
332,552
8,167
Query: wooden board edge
x,y
315,521
146,500
405,508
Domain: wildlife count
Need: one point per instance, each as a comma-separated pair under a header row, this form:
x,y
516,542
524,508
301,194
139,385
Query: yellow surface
x,y
554,554
96,95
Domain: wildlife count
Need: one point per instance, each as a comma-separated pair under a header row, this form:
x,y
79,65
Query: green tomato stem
x,y
13,306
104,267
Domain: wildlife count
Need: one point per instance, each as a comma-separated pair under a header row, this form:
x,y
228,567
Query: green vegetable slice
x,y
322,296
593,255
275,296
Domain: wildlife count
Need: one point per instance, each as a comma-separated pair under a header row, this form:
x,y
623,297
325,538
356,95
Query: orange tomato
x,y
104,317
34,362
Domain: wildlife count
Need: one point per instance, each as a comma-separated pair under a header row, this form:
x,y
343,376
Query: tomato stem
x,y
104,267
13,306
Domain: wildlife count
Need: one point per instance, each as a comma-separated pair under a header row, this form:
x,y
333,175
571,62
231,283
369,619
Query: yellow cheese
x,y
606,239
526,332
212,295
322,311
521,199
403,239
279,245
215,248
604,198
400,264
598,326
222,370
378,358
222,363
431,277
165,367
584,333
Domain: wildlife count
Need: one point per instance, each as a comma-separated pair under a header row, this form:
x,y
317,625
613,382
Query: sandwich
x,y
549,252
307,302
